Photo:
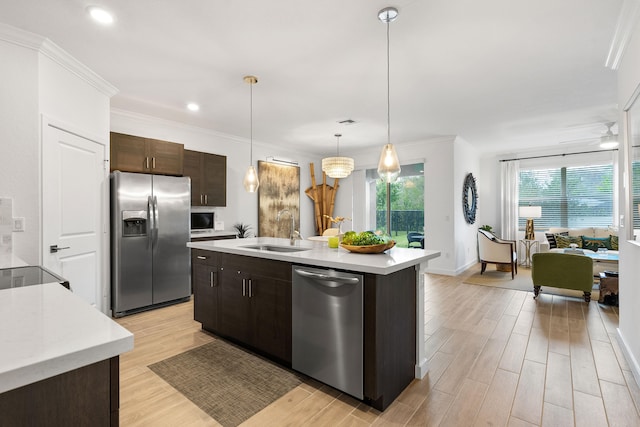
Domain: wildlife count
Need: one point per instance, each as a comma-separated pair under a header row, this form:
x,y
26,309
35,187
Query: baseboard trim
x,y
631,360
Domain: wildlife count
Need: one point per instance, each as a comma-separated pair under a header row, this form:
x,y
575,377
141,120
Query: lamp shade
x,y
530,212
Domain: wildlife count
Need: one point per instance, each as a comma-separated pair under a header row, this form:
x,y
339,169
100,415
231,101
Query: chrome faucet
x,y
293,233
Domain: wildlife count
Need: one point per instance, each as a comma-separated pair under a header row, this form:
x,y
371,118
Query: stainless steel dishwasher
x,y
327,317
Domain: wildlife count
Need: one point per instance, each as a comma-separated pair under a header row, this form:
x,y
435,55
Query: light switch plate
x,y
18,224
218,225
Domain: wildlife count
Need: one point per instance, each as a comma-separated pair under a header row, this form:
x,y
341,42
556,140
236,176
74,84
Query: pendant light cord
x,y
251,122
388,88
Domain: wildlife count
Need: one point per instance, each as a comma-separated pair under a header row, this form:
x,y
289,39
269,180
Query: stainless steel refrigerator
x,y
150,228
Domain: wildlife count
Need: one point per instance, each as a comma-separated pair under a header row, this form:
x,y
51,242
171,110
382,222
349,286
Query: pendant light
x,y
337,167
389,165
250,180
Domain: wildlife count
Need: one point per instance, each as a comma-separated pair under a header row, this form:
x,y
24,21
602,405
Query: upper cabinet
x,y
208,174
144,155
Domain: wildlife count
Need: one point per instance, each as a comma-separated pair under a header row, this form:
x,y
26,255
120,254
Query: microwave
x,y
201,221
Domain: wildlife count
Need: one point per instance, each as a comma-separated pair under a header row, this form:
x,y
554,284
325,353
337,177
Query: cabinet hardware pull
x,y
146,162
201,202
206,199
201,257
244,284
153,162
55,248
211,280
250,289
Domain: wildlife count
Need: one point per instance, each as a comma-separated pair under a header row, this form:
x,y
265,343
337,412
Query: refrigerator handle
x,y
155,220
150,219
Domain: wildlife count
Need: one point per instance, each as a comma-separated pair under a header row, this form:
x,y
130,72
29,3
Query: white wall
x,y
241,206
628,81
19,142
466,160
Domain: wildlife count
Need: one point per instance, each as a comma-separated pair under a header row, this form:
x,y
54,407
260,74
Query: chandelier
x,y
337,167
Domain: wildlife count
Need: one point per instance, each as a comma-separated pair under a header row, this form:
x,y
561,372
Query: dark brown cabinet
x,y
208,174
251,298
253,301
145,155
87,396
204,280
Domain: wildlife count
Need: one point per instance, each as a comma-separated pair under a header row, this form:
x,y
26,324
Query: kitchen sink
x,y
276,248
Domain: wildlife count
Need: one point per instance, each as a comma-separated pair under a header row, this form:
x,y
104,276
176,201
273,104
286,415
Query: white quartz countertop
x,y
320,255
211,233
46,330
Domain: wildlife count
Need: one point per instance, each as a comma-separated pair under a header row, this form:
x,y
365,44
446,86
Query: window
x,y
635,186
574,192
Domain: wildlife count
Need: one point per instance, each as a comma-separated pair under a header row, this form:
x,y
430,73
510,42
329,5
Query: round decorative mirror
x,y
469,198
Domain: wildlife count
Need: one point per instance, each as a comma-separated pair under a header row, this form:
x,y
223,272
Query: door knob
x,y
54,248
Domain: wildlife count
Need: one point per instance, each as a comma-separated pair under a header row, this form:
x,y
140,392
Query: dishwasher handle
x,y
333,281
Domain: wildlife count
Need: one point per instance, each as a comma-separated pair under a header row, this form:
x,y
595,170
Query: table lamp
x,y
530,212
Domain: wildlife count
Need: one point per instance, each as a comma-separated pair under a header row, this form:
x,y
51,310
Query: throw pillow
x,y
593,243
551,238
566,241
614,242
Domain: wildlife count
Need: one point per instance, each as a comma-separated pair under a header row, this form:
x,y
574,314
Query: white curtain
x,y
509,199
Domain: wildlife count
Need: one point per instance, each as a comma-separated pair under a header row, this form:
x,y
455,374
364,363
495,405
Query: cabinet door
x,y
234,304
193,169
214,185
271,316
128,153
205,296
204,282
166,157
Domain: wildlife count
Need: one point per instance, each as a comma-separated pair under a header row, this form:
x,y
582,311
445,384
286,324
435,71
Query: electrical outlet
x,y
18,224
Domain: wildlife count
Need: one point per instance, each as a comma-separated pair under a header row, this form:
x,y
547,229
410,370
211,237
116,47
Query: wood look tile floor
x,y
496,356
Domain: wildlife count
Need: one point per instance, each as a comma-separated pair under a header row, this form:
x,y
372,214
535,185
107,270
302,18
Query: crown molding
x,y
58,55
157,121
627,20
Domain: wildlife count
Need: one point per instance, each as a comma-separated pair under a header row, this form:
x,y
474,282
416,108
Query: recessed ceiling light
x,y
100,15
192,106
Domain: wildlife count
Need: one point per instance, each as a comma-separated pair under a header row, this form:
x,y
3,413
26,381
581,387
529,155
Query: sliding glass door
x,y
407,204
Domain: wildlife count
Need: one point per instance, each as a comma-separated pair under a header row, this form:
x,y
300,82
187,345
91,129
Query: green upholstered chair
x,y
560,270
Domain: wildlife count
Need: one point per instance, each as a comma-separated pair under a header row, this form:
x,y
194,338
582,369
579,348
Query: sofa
x,y
580,240
588,238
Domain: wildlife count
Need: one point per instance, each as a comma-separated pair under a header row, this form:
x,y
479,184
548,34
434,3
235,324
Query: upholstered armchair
x,y
494,250
562,270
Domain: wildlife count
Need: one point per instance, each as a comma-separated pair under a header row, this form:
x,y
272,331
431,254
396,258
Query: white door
x,y
73,189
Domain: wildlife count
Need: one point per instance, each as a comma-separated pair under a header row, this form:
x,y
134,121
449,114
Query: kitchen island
x,y
394,345
60,358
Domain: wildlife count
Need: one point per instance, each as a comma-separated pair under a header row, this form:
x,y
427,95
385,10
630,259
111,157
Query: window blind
x,y
574,194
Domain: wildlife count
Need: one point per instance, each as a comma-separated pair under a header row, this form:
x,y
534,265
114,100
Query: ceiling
x,y
501,74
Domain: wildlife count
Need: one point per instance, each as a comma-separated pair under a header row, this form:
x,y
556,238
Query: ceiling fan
x,y
607,140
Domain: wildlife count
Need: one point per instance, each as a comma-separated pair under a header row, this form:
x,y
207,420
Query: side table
x,y
528,246
608,289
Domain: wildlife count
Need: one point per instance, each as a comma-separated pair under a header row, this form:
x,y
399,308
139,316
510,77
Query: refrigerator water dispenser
x,y
134,223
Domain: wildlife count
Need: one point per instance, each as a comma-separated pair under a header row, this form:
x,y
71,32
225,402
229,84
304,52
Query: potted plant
x,y
242,230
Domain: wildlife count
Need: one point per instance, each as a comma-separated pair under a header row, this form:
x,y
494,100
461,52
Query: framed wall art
x,y
279,190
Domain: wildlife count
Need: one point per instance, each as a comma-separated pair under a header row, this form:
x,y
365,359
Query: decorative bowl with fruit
x,y
366,242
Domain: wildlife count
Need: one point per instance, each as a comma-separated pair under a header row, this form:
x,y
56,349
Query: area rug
x,y
521,282
225,381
